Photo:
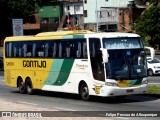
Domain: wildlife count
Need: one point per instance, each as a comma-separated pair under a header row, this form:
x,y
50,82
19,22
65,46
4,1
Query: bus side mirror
x,y
152,52
141,58
104,55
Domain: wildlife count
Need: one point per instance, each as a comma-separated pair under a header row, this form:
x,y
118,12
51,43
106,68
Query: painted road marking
x,y
65,109
27,103
154,83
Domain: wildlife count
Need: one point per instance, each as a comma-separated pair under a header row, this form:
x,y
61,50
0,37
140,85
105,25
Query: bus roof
x,y
18,38
113,34
71,34
62,33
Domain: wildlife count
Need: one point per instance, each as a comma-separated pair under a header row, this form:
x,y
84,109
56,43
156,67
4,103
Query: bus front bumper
x,y
118,91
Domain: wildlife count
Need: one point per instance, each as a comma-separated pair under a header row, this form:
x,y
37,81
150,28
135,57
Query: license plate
x,y
130,90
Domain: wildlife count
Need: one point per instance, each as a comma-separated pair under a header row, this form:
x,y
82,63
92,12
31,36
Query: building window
x,y
68,8
54,7
85,1
49,20
85,13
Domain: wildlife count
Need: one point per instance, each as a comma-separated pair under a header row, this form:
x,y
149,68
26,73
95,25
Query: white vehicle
x,y
153,66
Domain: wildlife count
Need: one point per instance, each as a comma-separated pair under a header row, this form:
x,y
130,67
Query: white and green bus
x,y
79,62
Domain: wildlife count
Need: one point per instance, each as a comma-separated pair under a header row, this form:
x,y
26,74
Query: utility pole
x,y
131,3
96,16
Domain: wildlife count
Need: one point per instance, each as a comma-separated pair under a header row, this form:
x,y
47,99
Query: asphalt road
x,y
154,80
69,102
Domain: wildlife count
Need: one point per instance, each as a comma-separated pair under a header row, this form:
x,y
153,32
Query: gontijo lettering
x,y
34,63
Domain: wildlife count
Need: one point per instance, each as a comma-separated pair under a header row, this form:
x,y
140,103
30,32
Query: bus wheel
x,y
29,87
21,87
84,92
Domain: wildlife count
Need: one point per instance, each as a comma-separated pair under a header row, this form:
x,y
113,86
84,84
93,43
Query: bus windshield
x,y
126,60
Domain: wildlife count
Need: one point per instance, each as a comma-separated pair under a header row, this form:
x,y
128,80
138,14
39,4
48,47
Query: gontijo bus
x,y
80,62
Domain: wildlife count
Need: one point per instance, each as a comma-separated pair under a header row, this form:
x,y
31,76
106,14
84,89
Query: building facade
x,y
105,12
95,15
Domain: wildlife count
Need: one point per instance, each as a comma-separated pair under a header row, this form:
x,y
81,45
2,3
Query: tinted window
x,y
66,48
122,43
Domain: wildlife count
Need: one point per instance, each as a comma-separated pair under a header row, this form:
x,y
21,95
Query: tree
x,y
19,8
148,24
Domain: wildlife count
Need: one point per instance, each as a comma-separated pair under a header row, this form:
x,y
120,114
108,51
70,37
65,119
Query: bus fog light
x,y
111,84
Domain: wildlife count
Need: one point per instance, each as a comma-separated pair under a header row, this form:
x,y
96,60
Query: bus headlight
x,y
145,82
111,84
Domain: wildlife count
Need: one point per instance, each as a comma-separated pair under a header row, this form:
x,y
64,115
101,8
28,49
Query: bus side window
x,y
78,52
39,49
17,49
14,51
20,52
24,49
60,50
34,50
8,51
54,49
84,50
67,49
29,51
29,54
73,49
46,50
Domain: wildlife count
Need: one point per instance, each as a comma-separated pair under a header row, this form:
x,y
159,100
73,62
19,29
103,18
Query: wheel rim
x,y
21,87
85,92
29,87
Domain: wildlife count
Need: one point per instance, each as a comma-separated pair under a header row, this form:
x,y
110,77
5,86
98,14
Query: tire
x,y
150,72
21,87
84,92
29,87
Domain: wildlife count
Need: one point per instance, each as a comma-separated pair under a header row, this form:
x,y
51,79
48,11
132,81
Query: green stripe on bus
x,y
135,82
54,71
68,36
64,72
78,36
138,82
131,83
73,36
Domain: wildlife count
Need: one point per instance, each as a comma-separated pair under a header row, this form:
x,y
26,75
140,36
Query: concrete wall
x,y
50,11
124,20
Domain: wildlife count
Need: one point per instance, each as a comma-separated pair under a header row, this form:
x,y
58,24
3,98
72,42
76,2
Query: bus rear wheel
x,y
21,87
29,87
84,92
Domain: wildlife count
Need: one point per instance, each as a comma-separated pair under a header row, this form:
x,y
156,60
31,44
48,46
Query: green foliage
x,y
153,90
21,7
148,25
